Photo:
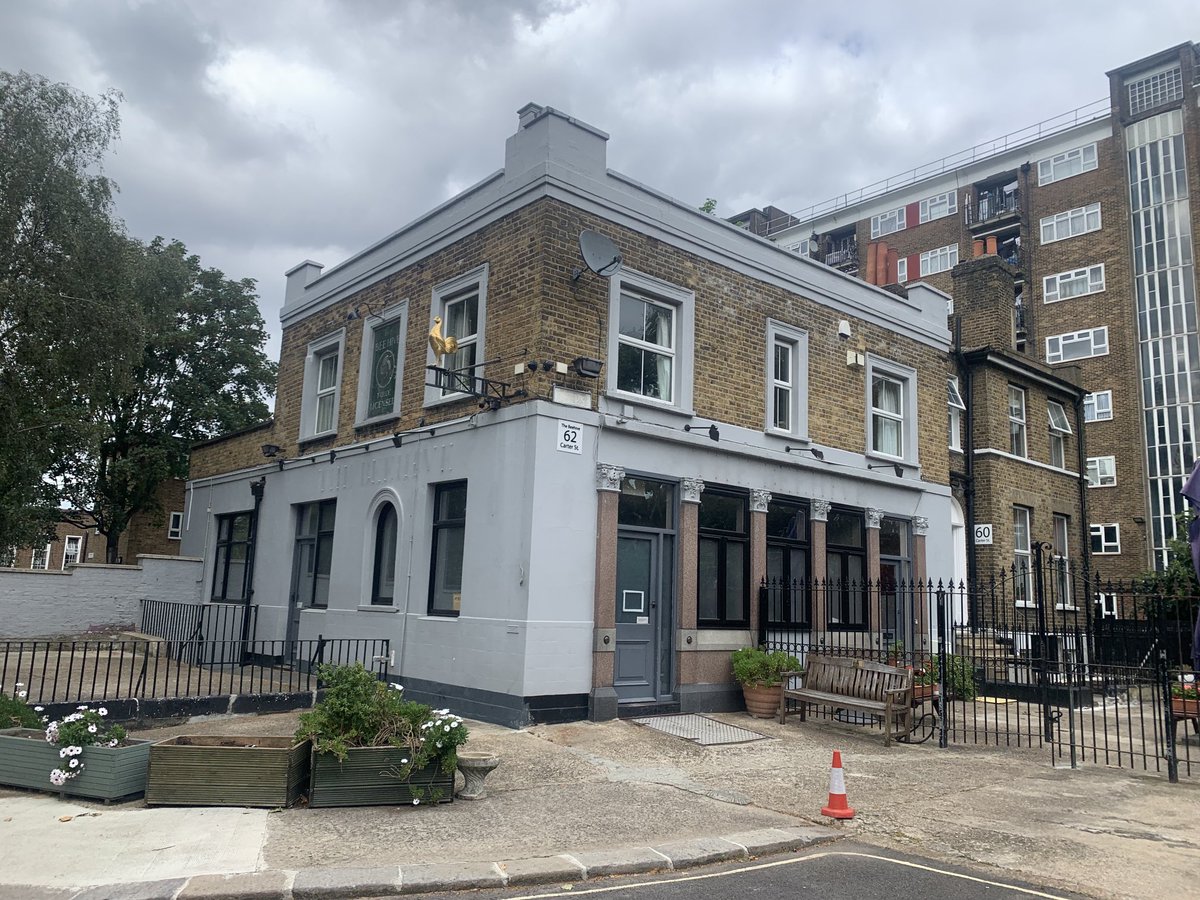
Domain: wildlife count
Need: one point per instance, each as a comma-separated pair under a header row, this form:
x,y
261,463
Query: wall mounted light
x,y
586,367
357,312
813,450
271,450
397,439
895,467
713,433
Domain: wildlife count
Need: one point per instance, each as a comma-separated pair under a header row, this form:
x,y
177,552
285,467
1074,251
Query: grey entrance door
x,y
311,562
635,672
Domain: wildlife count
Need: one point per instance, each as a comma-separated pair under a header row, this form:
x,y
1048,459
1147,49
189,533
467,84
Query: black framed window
x,y
314,544
787,563
724,559
232,555
383,581
449,532
845,568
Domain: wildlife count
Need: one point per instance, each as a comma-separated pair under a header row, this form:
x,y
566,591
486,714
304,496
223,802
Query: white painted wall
x,y
35,604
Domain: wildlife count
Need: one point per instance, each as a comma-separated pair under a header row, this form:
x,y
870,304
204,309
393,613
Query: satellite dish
x,y
599,254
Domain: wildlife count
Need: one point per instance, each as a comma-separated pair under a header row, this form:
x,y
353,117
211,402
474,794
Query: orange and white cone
x,y
838,808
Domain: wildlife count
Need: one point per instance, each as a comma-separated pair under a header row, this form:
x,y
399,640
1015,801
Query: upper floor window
x,y
1078,283
1150,90
888,222
1071,223
787,384
941,260
381,364
723,559
1098,407
940,206
902,270
956,406
1018,445
231,553
891,409
175,527
1101,471
650,337
1106,538
1064,165
322,385
40,558
461,305
72,548
1022,584
802,246
1060,428
1077,345
449,537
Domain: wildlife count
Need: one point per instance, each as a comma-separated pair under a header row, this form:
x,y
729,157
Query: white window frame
x,y
76,541
1101,405
1107,604
943,259
8,558
907,377
1102,471
1071,223
1096,338
939,206
800,247
1053,286
1063,165
1018,423
888,222
317,350
443,296
1102,530
1023,556
796,340
175,526
1060,428
1154,88
388,316
957,407
44,554
902,270
683,302
1060,561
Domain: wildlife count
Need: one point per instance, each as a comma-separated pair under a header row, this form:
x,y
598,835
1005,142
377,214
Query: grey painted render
x,y
556,156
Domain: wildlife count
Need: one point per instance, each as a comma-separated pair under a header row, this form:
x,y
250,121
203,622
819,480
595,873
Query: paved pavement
x,y
582,800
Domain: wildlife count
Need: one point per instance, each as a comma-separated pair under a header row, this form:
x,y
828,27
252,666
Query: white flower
x,y
111,743
63,753
447,728
58,776
416,801
39,708
439,743
404,762
22,694
74,763
81,707
91,729
74,751
102,711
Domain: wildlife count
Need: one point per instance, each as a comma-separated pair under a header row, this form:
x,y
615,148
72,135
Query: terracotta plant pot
x,y
762,702
1184,708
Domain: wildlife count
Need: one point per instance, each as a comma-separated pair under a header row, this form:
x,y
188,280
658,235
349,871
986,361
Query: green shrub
x,y
15,713
752,665
960,676
359,710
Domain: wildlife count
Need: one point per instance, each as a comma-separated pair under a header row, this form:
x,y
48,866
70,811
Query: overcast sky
x,y
262,133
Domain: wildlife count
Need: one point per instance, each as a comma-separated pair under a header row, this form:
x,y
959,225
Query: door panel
x,y
635,668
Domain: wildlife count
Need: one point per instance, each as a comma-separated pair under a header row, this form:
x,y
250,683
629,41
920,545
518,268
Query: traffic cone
x,y
838,808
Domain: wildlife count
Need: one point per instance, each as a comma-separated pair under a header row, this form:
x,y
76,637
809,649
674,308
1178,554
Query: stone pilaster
x,y
604,629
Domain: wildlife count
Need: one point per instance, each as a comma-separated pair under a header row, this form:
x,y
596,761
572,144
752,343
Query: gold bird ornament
x,y
441,345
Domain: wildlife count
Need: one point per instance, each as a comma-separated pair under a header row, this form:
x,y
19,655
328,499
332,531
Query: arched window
x,y
383,583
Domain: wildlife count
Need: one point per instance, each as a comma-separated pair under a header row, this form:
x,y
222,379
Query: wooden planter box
x,y
270,772
359,780
108,773
1185,708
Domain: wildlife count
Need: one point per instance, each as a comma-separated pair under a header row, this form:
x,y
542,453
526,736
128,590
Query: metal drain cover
x,y
701,729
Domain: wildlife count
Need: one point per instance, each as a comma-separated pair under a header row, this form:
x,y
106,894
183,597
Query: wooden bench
x,y
855,684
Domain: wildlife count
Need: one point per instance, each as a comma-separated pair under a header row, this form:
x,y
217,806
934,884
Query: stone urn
x,y
762,701
475,766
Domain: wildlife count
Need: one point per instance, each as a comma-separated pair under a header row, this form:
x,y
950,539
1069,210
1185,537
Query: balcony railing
x,y
843,253
992,205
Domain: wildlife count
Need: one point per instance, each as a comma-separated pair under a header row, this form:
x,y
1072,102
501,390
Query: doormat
x,y
701,729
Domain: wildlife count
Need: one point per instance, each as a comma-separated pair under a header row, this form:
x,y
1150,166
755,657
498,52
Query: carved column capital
x,y
609,477
759,500
818,510
692,488
873,517
920,525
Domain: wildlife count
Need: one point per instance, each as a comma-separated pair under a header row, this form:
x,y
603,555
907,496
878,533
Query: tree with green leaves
x,y
199,371
56,231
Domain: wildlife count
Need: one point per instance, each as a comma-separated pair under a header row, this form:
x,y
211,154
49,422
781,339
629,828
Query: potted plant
x,y
83,755
371,747
895,653
960,678
1185,699
760,673
217,770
